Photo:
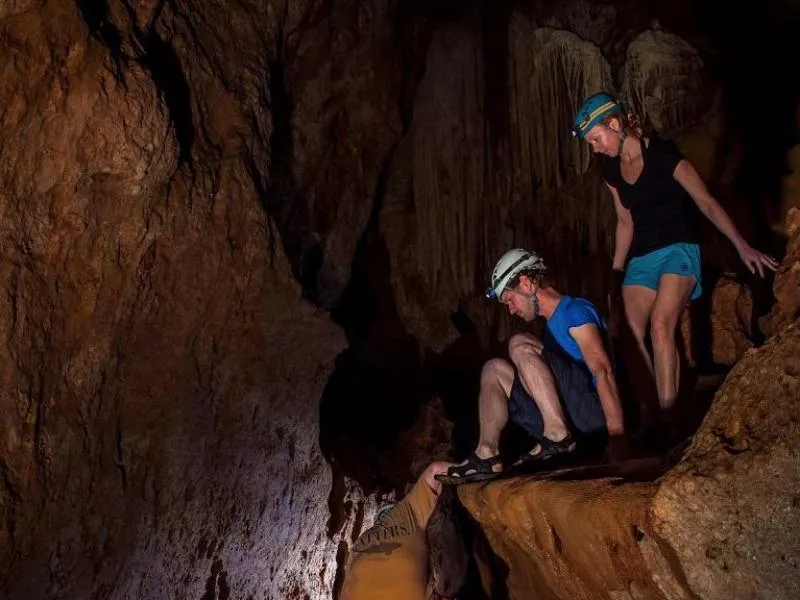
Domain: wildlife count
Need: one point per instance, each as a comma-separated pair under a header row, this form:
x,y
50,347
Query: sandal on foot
x,y
547,449
475,469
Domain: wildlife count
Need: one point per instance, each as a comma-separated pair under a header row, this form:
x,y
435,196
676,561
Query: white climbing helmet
x,y
509,265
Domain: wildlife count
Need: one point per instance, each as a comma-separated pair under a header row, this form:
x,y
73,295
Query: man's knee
x,y
497,370
525,348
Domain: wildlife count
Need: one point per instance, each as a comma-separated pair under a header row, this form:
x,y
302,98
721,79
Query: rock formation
x,y
156,438
728,511
665,81
787,280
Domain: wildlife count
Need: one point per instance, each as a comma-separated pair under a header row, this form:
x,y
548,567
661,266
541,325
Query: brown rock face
x,y
787,279
161,374
729,509
564,540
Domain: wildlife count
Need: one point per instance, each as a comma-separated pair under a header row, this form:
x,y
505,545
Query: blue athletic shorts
x,y
680,259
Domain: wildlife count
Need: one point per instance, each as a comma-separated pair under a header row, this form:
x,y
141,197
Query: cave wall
x,y
159,437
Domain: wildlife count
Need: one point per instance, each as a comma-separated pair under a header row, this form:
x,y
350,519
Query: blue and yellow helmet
x,y
595,108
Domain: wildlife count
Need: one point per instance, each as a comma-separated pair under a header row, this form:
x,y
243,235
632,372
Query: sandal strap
x,y
557,446
475,464
548,448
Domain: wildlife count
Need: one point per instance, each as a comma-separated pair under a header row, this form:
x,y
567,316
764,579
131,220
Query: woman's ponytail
x,y
634,123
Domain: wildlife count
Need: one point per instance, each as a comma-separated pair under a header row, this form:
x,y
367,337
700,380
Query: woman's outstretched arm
x,y
691,181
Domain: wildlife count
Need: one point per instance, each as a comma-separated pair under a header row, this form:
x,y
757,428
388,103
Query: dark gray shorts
x,y
578,397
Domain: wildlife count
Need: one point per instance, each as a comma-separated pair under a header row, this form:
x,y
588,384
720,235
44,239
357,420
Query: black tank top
x,y
659,205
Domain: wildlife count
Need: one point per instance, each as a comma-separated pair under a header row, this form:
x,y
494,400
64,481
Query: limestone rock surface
x,y
787,280
731,321
158,430
729,509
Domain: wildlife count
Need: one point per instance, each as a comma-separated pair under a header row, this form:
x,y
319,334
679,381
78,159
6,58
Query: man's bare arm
x,y
594,353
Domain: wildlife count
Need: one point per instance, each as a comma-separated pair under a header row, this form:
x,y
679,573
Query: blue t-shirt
x,y
573,312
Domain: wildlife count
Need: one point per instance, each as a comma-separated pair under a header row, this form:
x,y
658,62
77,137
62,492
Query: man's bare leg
x,y
537,379
497,377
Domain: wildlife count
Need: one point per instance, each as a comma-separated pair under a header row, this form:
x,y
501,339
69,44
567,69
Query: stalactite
x,y
554,72
449,163
664,81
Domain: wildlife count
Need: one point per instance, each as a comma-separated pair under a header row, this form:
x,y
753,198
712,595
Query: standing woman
x,y
653,187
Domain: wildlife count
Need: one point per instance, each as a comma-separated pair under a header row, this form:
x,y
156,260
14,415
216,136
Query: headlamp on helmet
x,y
593,110
509,266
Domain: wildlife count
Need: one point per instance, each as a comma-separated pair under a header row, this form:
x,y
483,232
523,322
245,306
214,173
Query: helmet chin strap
x,y
534,301
622,136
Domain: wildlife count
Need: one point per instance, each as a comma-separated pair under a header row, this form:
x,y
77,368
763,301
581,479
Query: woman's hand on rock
x,y
755,260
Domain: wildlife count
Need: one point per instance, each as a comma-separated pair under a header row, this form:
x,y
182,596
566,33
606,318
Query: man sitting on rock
x,y
561,385
415,551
